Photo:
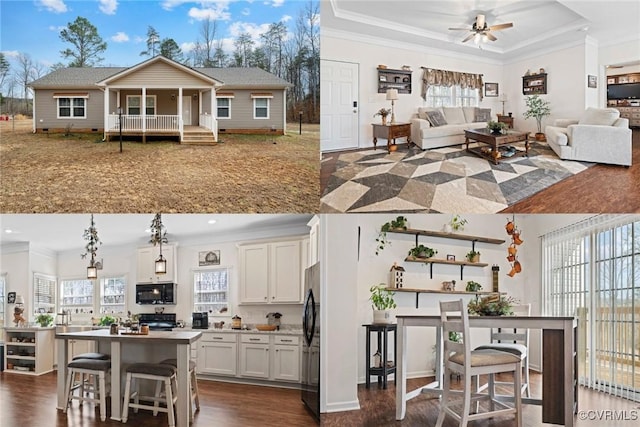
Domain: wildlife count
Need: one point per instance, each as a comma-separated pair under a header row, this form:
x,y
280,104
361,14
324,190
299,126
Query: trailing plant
x,y
422,251
473,286
472,254
381,297
400,223
457,223
492,305
537,108
44,320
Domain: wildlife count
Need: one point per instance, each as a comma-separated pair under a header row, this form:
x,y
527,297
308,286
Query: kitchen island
x,y
178,342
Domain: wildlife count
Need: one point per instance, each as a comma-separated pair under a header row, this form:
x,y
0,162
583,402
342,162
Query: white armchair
x,y
599,136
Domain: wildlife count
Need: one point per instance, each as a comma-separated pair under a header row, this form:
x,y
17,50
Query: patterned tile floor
x,y
445,180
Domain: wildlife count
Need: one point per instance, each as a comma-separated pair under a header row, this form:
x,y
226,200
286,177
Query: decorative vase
x,y
384,120
383,317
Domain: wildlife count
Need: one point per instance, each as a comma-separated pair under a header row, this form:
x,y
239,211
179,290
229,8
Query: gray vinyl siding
x,y
159,74
46,110
242,111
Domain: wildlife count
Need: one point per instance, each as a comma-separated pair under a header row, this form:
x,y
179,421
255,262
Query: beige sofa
x,y
600,136
458,119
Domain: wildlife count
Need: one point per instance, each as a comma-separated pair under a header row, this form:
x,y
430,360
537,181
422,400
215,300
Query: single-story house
x,y
160,97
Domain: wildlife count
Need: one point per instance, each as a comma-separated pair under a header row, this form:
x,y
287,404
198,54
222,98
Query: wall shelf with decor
x,y
394,79
418,291
535,84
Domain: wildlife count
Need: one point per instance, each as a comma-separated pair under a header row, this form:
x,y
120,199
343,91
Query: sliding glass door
x,y
592,270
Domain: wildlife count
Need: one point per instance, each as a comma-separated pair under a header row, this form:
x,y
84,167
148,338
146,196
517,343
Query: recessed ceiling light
x,y
148,230
8,231
211,221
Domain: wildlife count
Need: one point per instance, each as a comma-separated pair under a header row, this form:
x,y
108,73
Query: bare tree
x,y
87,43
220,57
5,67
24,73
244,49
153,42
203,54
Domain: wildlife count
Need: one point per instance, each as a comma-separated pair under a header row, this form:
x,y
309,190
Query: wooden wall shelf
x,y
418,291
535,84
394,79
446,235
432,261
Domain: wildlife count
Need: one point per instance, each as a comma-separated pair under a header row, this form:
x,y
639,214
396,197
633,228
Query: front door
x,y
186,110
338,105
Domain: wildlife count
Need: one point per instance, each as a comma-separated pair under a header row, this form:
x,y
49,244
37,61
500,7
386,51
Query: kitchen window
x,y
224,108
44,293
72,108
211,291
134,105
113,295
76,296
451,96
260,108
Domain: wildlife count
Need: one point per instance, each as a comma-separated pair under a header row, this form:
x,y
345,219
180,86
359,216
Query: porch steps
x,y
198,138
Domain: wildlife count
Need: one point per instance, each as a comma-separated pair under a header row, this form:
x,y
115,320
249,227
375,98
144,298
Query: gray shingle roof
x,y
234,77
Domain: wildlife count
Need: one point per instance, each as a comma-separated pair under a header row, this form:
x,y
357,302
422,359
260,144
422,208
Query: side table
x,y
383,336
506,119
390,132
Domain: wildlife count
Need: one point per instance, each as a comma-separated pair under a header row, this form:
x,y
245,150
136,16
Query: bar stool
x,y
193,383
95,356
163,375
92,368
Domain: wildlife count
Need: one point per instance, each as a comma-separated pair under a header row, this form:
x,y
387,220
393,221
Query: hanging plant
x,y
400,223
158,231
457,223
91,236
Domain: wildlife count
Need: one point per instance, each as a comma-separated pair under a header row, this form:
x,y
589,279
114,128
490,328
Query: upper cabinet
x,y
147,256
535,84
271,272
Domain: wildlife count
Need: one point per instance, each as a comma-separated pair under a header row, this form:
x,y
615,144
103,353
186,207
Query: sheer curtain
x,y
592,270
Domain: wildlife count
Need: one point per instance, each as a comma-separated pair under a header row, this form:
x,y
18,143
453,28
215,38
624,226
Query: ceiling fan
x,y
480,30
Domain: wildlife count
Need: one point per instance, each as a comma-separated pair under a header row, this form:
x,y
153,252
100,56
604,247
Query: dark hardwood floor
x,y
30,401
599,189
378,409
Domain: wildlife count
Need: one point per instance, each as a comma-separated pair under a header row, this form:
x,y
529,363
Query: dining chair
x,y
459,359
514,341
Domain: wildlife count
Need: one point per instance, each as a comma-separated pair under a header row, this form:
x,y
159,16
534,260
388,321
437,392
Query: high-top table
x,y
179,341
559,361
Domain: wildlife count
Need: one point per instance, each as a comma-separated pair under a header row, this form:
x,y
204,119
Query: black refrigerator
x,y
311,341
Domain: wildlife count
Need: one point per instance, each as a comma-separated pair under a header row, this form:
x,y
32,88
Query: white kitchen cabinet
x,y
286,359
29,350
314,241
254,356
218,354
146,258
270,273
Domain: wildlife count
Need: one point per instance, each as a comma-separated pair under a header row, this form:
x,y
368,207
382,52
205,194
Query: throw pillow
x,y
454,115
469,114
436,118
422,113
599,116
483,114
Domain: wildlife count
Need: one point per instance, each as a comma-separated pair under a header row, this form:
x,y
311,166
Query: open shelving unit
x,y
29,350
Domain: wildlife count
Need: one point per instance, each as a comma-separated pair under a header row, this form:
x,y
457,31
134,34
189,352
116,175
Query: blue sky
x,y
33,26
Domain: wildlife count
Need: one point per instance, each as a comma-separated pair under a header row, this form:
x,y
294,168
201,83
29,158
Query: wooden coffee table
x,y
494,141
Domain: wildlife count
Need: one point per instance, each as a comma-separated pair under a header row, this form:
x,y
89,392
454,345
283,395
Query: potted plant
x,y
107,320
400,223
422,251
382,303
473,256
473,286
539,109
496,127
457,223
493,305
383,113
44,320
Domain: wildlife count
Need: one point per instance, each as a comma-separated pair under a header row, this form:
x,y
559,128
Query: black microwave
x,y
161,293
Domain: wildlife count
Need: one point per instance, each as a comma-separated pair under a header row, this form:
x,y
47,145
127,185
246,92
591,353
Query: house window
x,y
260,108
72,108
113,295
134,105
224,108
3,287
44,293
76,295
211,291
451,96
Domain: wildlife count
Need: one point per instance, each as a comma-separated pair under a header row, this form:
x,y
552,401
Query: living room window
x,y
451,96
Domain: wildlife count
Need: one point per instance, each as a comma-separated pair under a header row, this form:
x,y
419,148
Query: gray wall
x,y
242,111
46,110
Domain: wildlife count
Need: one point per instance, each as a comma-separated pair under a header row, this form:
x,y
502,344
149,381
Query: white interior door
x,y
339,104
186,110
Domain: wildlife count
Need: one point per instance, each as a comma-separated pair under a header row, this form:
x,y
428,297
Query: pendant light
x,y
158,237
91,236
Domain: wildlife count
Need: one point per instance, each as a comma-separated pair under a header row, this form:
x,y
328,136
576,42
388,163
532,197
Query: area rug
x,y
444,180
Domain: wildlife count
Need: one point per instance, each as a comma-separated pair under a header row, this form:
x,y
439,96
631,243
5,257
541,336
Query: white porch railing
x,y
208,122
152,123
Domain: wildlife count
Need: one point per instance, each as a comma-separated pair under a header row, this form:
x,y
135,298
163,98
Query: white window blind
x,y
44,293
211,291
76,296
592,270
113,295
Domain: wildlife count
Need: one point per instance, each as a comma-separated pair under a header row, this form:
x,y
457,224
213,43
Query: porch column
x,y
180,124
106,112
214,113
284,111
143,112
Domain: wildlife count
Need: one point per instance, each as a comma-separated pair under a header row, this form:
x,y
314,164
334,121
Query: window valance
x,y
434,77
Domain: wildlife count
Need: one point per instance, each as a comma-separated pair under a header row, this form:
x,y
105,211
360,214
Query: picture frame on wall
x,y
451,257
592,81
491,89
206,258
11,298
